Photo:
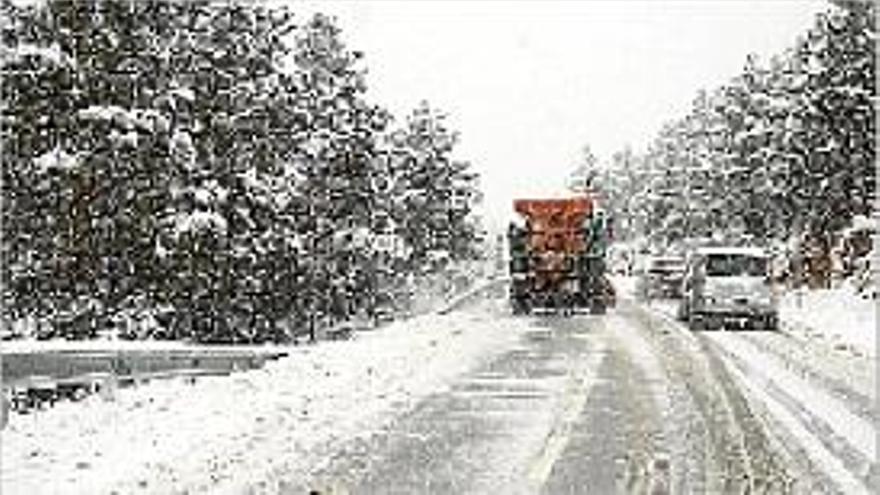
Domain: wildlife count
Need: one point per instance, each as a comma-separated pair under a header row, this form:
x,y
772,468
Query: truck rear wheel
x,y
681,313
695,322
520,306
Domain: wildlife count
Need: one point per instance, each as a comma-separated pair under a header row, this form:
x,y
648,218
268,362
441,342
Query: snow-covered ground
x,y
222,434
625,286
839,317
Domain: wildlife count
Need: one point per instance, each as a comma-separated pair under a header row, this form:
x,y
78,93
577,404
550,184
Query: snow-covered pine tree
x,y
339,167
781,149
86,160
436,192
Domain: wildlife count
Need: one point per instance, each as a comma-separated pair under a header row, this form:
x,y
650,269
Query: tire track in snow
x,y
858,431
666,457
618,444
746,456
485,431
801,362
837,441
848,378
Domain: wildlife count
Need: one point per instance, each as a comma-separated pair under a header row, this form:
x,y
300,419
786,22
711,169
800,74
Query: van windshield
x,y
732,265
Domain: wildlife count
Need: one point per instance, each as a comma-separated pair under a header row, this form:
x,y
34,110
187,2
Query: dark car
x,y
660,277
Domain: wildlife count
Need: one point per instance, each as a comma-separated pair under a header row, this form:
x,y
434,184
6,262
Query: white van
x,y
728,285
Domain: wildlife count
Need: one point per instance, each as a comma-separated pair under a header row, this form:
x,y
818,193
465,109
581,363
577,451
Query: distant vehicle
x,y
620,259
557,260
728,285
383,314
660,277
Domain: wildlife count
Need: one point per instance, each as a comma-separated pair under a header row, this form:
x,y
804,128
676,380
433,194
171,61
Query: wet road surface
x,y
628,402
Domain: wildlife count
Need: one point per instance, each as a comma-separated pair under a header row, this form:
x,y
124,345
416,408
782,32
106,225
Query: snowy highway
x,y
262,247
630,402
479,401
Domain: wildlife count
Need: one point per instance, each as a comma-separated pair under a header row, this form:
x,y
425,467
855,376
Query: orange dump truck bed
x,y
555,224
557,258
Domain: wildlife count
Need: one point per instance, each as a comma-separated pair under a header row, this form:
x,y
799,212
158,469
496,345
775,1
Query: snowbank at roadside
x,y
222,434
839,317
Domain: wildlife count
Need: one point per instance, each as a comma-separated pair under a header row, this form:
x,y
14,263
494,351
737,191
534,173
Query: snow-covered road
x,y
478,401
814,396
221,434
622,403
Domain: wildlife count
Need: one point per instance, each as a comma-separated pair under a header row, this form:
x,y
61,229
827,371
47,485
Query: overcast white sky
x,y
528,83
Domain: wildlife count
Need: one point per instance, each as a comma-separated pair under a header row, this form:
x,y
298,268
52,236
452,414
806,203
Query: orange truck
x,y
557,259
